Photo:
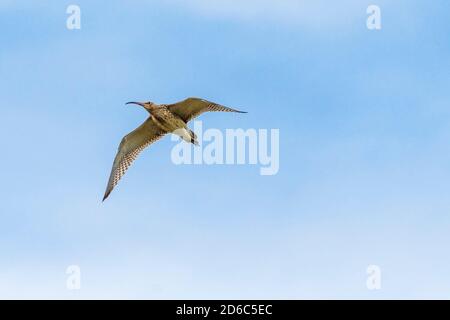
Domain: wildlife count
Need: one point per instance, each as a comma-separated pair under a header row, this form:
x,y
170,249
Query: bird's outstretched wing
x,y
190,108
130,147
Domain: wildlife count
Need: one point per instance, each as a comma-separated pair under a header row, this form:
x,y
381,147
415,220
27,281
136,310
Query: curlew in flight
x,y
163,119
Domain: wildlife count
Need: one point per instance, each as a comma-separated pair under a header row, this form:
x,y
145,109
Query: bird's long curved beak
x,y
138,103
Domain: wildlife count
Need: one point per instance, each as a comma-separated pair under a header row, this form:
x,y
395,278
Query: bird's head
x,y
146,105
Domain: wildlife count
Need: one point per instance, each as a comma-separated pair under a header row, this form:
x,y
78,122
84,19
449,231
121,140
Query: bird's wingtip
x,y
105,196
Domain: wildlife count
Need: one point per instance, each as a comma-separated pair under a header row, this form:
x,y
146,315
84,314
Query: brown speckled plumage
x,y
163,119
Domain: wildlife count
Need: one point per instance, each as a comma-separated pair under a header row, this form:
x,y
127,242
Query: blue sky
x,y
364,126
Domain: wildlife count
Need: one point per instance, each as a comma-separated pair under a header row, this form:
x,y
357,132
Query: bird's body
x,y
163,119
166,120
170,122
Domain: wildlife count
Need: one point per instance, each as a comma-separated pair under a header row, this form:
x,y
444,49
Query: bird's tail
x,y
187,135
193,137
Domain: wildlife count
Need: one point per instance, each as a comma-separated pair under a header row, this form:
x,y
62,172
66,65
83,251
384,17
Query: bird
x,y
163,119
